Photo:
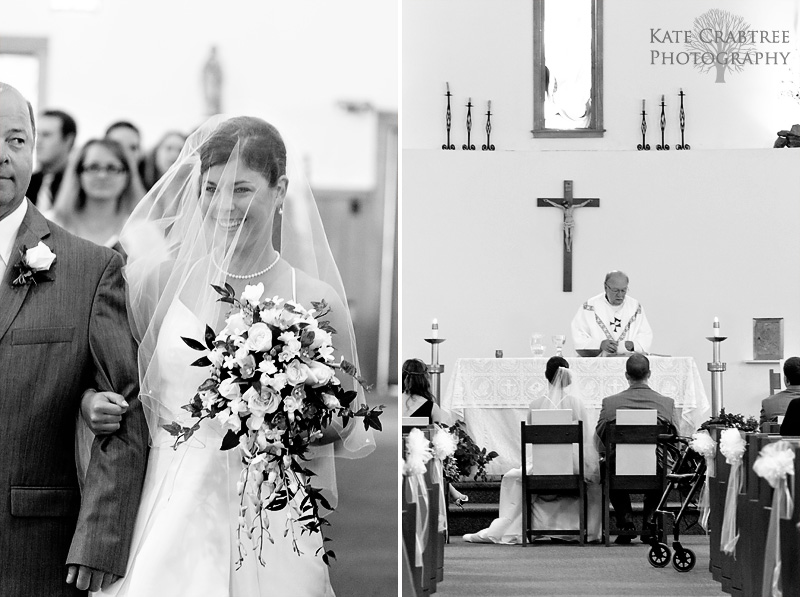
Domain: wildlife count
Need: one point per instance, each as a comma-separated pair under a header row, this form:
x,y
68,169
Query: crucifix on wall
x,y
568,206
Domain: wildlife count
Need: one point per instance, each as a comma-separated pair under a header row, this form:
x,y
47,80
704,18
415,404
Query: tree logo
x,y
724,36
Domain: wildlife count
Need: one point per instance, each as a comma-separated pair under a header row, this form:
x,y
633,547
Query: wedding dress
x,y
550,512
185,540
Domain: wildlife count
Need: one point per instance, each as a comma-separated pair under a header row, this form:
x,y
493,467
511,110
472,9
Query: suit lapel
x,y
33,229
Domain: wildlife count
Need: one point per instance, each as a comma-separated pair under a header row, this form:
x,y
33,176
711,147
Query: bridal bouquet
x,y
273,387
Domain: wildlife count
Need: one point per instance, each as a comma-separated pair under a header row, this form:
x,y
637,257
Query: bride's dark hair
x,y
552,367
415,379
261,147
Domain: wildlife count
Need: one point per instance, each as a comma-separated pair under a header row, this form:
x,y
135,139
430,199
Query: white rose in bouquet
x,y
296,373
318,374
259,337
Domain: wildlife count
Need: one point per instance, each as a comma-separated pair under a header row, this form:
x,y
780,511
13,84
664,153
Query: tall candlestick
x,y
662,97
448,86
642,105
716,327
435,329
490,105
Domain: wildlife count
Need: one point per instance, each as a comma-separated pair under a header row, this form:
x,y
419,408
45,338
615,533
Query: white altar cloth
x,y
492,395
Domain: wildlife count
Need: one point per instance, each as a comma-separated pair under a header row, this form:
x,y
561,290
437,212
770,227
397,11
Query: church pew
x,y
409,539
790,539
717,504
726,561
431,554
757,511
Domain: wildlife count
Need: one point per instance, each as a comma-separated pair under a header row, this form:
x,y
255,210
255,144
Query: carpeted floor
x,y
483,570
364,527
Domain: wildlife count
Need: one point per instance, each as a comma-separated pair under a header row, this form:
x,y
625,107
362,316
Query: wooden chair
x,y
631,476
562,483
774,381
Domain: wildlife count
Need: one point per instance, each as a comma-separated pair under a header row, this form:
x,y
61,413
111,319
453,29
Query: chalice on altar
x,y
537,348
559,340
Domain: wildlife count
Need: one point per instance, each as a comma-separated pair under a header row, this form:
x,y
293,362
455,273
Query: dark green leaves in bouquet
x,y
210,336
226,294
231,440
195,407
321,308
202,362
193,344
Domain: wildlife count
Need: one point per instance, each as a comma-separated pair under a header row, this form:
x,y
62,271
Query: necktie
x,y
44,200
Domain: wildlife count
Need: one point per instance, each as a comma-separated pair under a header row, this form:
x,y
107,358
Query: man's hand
x,y
88,578
609,346
102,411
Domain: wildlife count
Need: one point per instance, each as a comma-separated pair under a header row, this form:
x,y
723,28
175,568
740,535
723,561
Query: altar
x,y
492,395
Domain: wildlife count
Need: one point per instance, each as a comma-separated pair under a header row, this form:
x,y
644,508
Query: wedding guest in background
x,y
612,321
775,405
129,136
99,191
791,421
161,157
56,133
419,401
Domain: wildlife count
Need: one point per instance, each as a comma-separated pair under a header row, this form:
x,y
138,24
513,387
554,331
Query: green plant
x,y
468,454
730,420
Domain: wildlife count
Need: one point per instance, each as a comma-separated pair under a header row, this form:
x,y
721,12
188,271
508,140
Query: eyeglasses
x,y
617,290
107,169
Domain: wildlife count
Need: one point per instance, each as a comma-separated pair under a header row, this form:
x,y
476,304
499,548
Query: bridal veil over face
x,y
232,198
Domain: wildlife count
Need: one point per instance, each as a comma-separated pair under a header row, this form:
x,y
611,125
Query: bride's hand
x,y
102,411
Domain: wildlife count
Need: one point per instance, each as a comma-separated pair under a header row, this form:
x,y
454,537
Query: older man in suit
x,y
638,396
63,333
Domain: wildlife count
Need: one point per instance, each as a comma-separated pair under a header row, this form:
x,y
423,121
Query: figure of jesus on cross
x,y
568,206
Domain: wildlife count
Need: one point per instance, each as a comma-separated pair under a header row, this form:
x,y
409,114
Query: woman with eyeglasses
x,y
99,191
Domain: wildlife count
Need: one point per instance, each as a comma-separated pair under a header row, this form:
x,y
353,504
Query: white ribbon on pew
x,y
775,463
732,446
444,446
418,453
703,444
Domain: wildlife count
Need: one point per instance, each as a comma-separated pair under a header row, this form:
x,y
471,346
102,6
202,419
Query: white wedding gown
x,y
185,540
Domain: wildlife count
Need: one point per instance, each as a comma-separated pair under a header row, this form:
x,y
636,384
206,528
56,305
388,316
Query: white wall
x,y
484,49
701,235
289,62
704,233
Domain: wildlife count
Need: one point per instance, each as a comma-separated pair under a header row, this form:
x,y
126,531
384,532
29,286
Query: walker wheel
x,y
659,555
684,560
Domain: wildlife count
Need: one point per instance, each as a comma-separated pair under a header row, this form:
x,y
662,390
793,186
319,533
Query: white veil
x,y
233,199
564,393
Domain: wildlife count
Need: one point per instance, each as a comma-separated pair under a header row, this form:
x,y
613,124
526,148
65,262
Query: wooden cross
x,y
568,206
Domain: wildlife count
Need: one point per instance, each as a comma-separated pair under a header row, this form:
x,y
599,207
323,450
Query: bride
x,y
222,214
550,512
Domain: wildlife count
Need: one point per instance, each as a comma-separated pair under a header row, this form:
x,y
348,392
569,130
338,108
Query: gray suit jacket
x,y
777,404
637,396
58,338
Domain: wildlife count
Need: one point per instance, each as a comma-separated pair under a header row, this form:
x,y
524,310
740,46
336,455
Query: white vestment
x,y
598,320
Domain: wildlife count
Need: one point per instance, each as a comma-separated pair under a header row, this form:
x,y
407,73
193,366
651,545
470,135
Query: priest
x,y
612,321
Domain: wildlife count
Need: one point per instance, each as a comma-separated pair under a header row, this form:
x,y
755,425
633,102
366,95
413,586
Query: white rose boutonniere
x,y
34,265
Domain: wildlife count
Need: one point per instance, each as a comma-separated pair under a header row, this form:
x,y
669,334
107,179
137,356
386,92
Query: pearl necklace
x,y
249,276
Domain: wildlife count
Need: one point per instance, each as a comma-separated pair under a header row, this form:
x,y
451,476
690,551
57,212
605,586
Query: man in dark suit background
x,y
775,405
63,333
54,142
638,396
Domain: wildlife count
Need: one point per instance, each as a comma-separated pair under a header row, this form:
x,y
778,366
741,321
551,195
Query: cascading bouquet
x,y
273,387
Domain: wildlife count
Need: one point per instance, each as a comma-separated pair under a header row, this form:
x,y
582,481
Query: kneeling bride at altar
x,y
551,512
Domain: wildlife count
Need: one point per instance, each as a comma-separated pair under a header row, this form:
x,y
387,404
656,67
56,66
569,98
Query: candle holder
x,y
716,367
469,146
682,145
448,121
488,145
435,369
644,145
663,145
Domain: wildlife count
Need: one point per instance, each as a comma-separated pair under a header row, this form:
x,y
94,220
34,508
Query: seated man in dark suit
x,y
791,421
638,396
777,404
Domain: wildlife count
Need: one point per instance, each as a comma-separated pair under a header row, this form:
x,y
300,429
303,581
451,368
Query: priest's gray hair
x,y
616,273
